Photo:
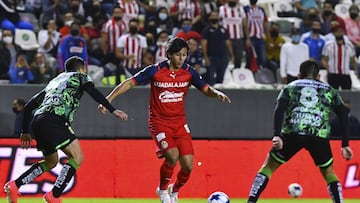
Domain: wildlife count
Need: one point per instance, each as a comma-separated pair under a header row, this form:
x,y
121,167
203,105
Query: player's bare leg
x,y
75,158
166,172
186,165
333,184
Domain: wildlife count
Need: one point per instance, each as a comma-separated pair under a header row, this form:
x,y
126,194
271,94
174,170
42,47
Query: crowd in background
x,y
117,38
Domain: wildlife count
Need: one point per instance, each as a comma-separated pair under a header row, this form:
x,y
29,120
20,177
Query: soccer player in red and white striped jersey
x,y
233,18
337,57
170,81
131,47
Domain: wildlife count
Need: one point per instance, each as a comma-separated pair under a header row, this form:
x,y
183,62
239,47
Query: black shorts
x,y
51,133
319,149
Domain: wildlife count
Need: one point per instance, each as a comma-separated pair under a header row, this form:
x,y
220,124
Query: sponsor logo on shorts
x,y
160,136
164,144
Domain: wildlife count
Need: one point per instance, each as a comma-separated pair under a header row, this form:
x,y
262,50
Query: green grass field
x,y
94,200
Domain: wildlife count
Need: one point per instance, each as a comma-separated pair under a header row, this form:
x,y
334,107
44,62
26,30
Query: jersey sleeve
x,y
30,106
84,79
284,94
145,75
197,80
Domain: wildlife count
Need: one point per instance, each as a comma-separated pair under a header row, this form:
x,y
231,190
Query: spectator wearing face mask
x,y
258,29
274,43
18,109
233,18
71,45
217,50
65,30
160,53
338,57
352,24
111,32
131,47
314,40
164,21
292,54
310,15
328,15
186,33
8,52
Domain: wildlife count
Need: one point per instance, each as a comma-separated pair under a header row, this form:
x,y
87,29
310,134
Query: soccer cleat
x,y
49,198
163,195
12,191
173,195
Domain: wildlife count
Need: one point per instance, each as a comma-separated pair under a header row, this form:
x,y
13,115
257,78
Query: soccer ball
x,y
295,190
218,197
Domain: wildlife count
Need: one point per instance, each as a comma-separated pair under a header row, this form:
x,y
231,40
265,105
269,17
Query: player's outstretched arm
x,y
99,97
120,114
212,92
120,89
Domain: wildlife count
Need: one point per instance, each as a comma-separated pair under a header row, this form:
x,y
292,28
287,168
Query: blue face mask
x,y
187,28
295,38
163,16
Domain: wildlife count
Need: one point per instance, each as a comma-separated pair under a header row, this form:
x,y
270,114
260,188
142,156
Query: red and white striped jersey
x,y
114,31
160,54
130,10
132,45
232,20
256,17
190,7
339,56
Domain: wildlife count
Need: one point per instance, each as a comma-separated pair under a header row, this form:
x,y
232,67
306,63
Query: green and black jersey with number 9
x,y
309,105
63,94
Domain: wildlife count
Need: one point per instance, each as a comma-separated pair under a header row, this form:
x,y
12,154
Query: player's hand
x,y
102,109
277,142
223,97
25,140
120,114
346,153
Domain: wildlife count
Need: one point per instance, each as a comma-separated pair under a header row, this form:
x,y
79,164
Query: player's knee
x,y
188,168
171,160
51,163
79,158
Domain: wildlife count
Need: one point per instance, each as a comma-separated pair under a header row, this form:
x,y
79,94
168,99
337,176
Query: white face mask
x,y
69,22
8,39
161,44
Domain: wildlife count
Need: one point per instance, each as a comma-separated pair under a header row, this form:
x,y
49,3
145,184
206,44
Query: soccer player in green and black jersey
x,y
55,107
301,120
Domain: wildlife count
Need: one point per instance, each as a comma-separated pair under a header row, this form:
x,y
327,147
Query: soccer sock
x,y
34,171
335,192
182,177
258,185
166,171
66,173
